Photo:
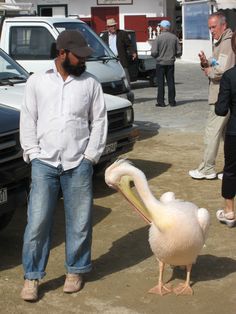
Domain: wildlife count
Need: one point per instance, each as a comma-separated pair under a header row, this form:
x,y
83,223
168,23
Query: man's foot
x,y
226,218
30,290
196,174
73,283
220,175
160,105
173,104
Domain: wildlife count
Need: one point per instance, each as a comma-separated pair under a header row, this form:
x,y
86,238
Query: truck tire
x,y
5,219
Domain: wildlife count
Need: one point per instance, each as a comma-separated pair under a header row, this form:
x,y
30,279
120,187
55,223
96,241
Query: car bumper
x,y
120,143
14,180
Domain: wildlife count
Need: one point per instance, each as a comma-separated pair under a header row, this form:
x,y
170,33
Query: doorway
x,y
53,10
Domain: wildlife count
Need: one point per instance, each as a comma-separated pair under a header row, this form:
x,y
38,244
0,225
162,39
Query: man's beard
x,y
71,69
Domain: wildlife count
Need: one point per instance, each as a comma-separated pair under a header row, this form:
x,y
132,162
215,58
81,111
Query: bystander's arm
x,y
226,60
129,46
28,123
154,49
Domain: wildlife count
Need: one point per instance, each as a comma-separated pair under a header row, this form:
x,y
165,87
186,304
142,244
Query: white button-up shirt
x,y
112,43
63,121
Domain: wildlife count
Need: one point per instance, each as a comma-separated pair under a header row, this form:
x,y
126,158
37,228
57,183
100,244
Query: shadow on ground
x,y
11,238
208,267
134,246
150,168
140,84
147,129
188,101
146,84
144,99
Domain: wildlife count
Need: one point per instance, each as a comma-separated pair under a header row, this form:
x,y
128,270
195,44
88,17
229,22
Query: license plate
x,y
3,195
110,148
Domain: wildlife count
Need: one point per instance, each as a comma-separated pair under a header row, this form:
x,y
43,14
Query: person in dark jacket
x,y
165,49
120,43
227,103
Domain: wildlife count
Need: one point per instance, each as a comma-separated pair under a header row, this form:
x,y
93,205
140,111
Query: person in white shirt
x,y
63,129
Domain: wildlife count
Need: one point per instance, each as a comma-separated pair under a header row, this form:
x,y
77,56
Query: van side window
x,y
30,43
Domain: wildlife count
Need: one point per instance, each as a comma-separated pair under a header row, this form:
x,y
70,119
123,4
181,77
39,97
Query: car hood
x,y
12,96
9,119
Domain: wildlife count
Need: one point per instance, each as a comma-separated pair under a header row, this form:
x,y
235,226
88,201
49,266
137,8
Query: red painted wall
x,y
138,23
100,15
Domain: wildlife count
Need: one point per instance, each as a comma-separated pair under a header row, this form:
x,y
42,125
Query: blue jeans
x,y
76,187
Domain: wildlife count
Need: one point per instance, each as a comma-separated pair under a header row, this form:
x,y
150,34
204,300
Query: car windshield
x,y
100,49
11,70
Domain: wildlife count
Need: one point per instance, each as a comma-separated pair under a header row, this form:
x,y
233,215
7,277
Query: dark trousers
x,y
165,72
229,174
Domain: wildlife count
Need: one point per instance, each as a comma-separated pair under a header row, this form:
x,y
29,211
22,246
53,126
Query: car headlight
x,y
129,115
126,83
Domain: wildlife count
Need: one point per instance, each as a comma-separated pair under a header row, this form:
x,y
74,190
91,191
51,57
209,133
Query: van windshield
x,y
11,71
100,49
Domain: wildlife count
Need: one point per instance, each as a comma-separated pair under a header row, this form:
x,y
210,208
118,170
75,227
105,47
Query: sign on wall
x,y
104,2
196,21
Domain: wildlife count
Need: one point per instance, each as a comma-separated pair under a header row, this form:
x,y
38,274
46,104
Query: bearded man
x,y
63,128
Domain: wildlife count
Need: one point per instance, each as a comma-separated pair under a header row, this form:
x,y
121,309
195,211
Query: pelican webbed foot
x,y
161,289
183,289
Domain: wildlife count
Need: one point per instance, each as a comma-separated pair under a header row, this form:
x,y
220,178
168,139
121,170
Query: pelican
x,y
178,229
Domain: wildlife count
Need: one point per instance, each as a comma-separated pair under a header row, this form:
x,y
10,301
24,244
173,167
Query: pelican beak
x,y
124,188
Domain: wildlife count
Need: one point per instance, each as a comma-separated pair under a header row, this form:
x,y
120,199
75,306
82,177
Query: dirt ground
x,y
124,266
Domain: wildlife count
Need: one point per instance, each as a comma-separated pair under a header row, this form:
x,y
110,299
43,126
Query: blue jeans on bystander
x,y
76,187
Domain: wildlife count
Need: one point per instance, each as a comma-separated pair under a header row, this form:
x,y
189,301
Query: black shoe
x,y
173,104
160,105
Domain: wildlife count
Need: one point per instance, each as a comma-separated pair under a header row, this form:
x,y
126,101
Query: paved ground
x,y
124,267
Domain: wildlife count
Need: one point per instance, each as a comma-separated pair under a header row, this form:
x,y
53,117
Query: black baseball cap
x,y
75,42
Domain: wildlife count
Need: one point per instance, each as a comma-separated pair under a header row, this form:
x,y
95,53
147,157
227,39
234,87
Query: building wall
x,y
151,8
154,10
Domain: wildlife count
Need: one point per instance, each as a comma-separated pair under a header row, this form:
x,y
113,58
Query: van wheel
x,y
5,219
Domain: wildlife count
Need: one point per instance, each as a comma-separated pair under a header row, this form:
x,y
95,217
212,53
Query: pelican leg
x,y
184,288
160,288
